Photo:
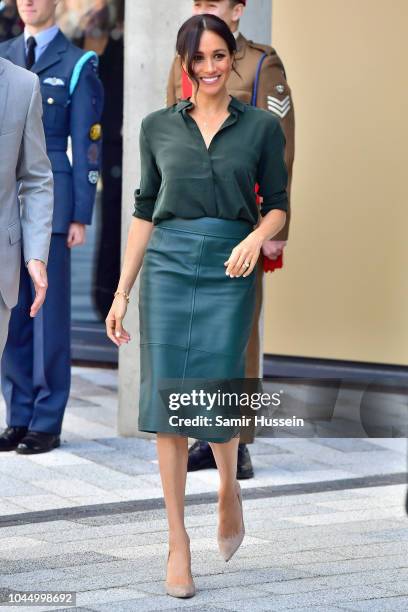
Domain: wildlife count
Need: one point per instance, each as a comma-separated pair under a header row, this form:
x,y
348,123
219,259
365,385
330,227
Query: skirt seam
x,y
193,306
185,348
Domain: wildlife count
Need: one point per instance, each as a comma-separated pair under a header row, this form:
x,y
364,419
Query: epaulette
x,y
262,48
269,51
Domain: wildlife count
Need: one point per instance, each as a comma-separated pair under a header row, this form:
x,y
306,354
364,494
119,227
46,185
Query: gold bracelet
x,y
123,293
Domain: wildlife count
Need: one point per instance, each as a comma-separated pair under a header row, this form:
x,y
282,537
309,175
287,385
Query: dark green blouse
x,y
181,178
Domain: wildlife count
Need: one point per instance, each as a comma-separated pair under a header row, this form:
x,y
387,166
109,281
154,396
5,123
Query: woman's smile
x,y
210,80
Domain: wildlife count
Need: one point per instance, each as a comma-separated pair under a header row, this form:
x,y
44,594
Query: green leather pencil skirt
x,y
194,324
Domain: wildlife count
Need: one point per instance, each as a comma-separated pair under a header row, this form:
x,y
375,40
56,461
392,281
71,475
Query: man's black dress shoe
x,y
10,438
38,442
200,457
244,467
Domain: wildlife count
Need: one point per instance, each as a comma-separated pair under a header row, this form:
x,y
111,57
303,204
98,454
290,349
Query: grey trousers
x,y
4,323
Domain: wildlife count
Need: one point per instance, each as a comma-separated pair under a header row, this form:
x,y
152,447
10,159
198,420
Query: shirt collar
x,y
44,37
235,104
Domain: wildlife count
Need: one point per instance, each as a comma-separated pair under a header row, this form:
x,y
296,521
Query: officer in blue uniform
x,y
35,368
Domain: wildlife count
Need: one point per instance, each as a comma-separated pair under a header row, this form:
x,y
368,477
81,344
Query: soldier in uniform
x,y
35,368
259,79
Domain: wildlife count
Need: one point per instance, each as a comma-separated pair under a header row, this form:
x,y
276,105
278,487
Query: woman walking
x,y
198,232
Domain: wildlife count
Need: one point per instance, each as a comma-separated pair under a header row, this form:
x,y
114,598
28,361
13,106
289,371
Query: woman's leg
x,y
226,455
172,454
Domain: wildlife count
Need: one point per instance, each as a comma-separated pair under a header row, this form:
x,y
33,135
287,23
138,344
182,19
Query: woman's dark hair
x,y
189,37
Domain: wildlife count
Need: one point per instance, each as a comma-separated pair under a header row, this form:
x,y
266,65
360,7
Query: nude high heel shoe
x,y
229,546
180,590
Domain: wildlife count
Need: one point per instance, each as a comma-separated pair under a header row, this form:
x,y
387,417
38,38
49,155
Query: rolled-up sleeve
x,y
150,180
272,170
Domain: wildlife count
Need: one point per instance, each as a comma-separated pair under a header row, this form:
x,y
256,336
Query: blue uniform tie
x,y
31,45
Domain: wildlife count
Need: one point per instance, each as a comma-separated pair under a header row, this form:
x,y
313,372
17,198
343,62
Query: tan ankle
x,y
179,541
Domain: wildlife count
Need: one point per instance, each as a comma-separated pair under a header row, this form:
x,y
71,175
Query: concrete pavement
x,y
325,522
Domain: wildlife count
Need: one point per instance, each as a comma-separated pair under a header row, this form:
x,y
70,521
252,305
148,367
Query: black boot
x,y
200,457
244,467
10,438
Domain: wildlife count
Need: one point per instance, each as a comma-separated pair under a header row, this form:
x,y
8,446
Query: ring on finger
x,y
246,264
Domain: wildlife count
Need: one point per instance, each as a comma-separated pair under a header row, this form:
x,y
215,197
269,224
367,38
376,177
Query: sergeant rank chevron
x,y
279,107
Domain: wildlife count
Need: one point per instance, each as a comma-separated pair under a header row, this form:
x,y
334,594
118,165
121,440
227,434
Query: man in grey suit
x,y
26,192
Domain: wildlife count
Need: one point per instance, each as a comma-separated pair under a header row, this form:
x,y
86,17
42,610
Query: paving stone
x,y
389,534
362,503
347,445
144,605
100,474
237,578
43,527
268,604
325,608
67,487
400,587
13,487
350,516
353,565
7,508
201,601
38,503
197,608
13,566
306,543
383,604
286,461
76,609
132,445
381,578
59,458
77,403
108,596
79,532
138,494
7,544
91,429
262,448
374,550
120,461
332,597
26,470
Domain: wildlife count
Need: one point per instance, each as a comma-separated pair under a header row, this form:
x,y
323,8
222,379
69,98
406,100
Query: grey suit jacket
x,y
26,183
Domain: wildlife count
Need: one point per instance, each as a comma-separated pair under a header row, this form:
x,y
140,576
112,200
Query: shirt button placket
x,y
213,204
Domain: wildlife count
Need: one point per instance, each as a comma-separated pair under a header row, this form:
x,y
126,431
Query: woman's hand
x,y
114,329
244,256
